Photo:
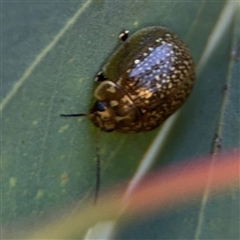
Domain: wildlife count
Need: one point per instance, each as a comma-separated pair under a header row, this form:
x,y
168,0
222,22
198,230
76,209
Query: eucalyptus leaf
x,y
51,52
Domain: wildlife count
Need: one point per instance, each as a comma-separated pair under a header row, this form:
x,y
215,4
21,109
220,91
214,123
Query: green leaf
x,y
51,52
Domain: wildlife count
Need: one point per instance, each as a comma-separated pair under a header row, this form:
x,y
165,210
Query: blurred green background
x,y
51,52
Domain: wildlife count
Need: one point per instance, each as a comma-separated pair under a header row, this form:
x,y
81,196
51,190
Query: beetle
x,y
147,78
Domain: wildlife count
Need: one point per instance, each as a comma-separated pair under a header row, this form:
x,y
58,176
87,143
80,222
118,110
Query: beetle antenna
x,y
74,115
98,169
98,160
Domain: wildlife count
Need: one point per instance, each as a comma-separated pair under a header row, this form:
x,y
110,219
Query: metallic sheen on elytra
x,y
146,80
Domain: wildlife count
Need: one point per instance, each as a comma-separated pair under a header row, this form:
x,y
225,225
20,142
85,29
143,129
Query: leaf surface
x,y
51,52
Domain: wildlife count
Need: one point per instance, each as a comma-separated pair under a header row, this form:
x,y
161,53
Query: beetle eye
x,y
99,106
